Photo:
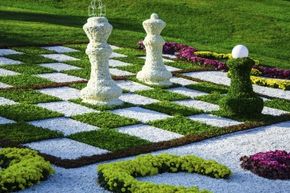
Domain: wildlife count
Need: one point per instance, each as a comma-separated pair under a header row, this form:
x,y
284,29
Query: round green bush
x,y
21,168
241,100
120,177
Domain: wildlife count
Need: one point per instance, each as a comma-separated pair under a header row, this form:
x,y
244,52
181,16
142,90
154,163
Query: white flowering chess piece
x,y
154,71
101,88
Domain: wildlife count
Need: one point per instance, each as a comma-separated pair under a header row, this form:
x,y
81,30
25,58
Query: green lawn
x,y
264,26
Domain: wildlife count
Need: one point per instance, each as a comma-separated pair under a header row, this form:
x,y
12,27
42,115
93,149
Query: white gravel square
x,y
59,67
65,93
221,78
5,101
4,72
171,68
67,108
207,107
4,121
59,49
7,61
187,92
118,72
65,148
59,57
164,59
3,85
117,55
65,125
149,133
132,86
137,99
115,47
182,81
274,112
60,77
169,56
214,120
6,52
117,63
217,77
143,115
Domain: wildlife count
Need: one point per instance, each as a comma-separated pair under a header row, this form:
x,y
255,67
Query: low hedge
x,y
21,168
120,176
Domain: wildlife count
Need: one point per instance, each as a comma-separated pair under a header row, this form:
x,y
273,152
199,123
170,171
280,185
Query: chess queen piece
x,y
101,88
154,71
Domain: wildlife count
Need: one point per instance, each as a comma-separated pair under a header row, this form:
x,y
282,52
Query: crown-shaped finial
x,y
97,10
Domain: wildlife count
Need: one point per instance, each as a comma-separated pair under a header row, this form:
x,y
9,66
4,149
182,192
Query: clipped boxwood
x,y
241,100
21,168
120,176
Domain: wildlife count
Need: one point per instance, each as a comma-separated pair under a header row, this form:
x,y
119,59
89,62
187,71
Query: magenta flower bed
x,y
271,164
187,53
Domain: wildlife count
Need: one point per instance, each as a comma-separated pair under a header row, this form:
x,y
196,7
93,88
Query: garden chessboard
x,y
40,105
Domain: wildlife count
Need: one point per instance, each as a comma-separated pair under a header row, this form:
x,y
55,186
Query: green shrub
x,y
21,168
120,176
241,99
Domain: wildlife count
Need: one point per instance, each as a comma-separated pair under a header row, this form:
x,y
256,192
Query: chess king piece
x,y
101,89
154,71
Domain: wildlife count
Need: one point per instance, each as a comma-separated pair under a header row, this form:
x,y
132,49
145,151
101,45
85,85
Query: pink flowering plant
x,y
271,164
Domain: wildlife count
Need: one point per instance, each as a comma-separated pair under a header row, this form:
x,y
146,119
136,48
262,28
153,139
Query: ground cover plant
x,y
121,176
22,168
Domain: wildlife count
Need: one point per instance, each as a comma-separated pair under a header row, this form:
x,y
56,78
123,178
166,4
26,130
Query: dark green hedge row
x,y
21,168
120,176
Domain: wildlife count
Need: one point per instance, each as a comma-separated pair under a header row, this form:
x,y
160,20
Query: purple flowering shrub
x,y
185,52
271,164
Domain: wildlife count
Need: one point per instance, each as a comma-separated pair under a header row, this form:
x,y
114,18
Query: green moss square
x,y
29,69
26,112
213,98
282,104
182,125
32,58
83,73
172,109
102,108
33,50
105,120
131,68
23,80
109,139
161,94
27,96
209,87
25,133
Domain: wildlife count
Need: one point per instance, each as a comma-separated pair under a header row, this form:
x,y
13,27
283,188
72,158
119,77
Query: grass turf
x,y
109,139
26,112
105,120
24,133
207,25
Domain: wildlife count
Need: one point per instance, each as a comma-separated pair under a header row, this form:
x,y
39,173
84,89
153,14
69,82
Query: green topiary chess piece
x,y
241,100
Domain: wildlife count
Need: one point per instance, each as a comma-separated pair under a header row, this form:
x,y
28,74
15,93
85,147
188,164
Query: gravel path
x,y
226,149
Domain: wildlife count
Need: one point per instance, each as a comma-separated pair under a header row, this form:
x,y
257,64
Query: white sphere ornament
x,y
240,51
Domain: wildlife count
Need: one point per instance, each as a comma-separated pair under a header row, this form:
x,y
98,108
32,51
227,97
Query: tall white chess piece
x,y
101,88
154,71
